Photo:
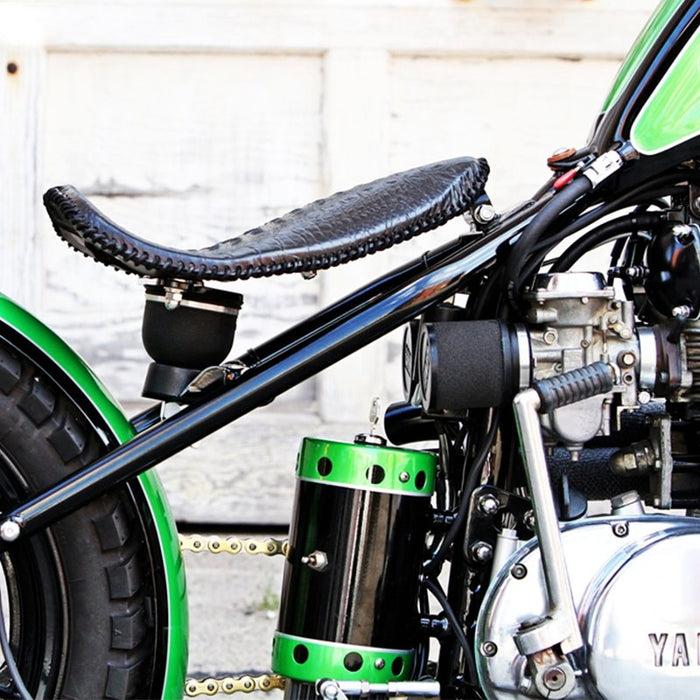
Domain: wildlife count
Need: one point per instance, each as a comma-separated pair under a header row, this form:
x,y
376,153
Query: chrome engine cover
x,y
635,582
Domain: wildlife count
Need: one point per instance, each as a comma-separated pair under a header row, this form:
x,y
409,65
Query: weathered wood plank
x,y
244,473
21,83
571,28
515,112
356,121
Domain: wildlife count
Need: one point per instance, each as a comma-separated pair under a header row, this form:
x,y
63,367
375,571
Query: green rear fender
x,y
52,355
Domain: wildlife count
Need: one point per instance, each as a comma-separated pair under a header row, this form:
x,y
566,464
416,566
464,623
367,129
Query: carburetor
x,y
576,319
573,319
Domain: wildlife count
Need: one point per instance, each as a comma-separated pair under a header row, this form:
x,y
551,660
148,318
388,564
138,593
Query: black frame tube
x,y
295,355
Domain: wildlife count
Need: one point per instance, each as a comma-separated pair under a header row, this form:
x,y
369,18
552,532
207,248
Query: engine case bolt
x,y
518,571
621,529
481,551
489,649
488,504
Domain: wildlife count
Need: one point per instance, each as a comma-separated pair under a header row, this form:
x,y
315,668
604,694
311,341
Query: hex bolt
x,y
481,551
488,504
489,649
316,560
627,359
484,214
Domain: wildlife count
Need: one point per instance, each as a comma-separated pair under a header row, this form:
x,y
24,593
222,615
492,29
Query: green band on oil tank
x,y
641,48
309,660
672,113
368,467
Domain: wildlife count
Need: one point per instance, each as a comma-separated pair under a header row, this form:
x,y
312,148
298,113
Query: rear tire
x,y
82,610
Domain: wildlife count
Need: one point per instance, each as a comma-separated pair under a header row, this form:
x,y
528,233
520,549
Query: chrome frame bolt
x,y
488,504
481,551
484,214
316,560
10,530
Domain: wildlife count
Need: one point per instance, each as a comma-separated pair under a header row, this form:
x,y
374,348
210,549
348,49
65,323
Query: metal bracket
x,y
340,690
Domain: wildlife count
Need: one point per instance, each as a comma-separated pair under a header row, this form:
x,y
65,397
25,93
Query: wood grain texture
x,y
574,28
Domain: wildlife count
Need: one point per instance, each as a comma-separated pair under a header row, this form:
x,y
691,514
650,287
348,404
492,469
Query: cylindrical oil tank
x,y
349,602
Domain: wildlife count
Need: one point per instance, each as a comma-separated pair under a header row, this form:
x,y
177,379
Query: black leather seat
x,y
343,227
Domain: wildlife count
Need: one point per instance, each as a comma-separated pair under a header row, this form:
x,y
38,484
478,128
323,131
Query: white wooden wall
x,y
190,121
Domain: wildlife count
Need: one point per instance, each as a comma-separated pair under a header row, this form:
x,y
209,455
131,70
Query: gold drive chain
x,y
233,545
232,684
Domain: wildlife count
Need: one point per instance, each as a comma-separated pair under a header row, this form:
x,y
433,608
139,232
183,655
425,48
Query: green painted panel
x,y
672,113
640,48
63,355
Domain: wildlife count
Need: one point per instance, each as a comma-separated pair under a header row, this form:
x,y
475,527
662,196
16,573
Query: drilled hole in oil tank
x,y
352,661
375,474
324,466
300,653
397,666
420,480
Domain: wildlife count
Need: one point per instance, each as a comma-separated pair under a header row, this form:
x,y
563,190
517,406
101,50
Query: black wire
x,y
432,566
543,246
10,660
644,194
630,223
521,249
436,589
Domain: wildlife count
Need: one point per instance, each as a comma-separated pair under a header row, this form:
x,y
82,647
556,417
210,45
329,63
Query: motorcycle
x,y
529,525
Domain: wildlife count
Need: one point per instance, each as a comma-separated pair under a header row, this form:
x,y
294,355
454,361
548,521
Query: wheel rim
x,y
33,595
